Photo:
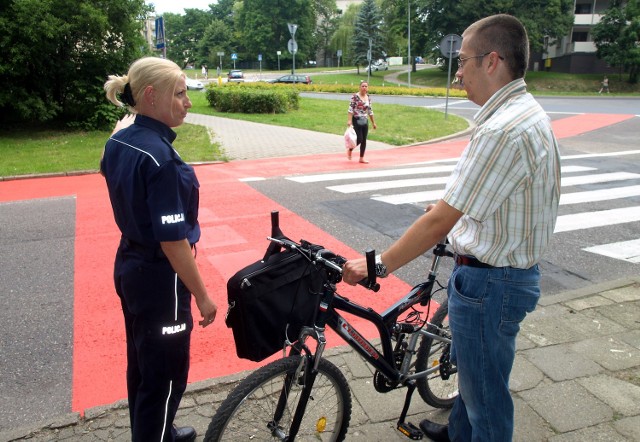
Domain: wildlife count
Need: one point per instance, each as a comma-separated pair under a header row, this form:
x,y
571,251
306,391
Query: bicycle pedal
x,y
410,430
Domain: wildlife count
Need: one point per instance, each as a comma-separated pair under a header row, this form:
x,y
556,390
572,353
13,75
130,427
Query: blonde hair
x,y
160,73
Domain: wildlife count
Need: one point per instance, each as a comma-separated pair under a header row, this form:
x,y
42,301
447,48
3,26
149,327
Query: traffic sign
x,y
292,29
450,45
234,56
292,45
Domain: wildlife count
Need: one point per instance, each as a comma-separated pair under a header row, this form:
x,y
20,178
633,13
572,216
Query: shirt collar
x,y
158,126
516,88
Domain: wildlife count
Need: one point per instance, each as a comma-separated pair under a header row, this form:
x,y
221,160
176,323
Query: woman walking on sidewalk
x,y
360,112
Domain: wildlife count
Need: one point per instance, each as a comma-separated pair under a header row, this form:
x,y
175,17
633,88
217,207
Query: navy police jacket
x,y
154,194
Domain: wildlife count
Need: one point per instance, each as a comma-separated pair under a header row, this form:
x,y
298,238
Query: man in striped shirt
x,y
499,210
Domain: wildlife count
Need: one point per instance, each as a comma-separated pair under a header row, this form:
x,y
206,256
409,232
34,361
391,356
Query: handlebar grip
x,y
370,281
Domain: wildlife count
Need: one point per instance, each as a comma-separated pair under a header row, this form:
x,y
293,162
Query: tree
x,y
542,18
328,19
217,38
367,34
183,33
617,37
56,56
264,28
343,35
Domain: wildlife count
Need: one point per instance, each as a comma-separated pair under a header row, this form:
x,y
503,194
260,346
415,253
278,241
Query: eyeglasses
x,y
462,60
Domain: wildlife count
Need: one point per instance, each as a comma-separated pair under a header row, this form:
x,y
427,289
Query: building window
x,y
579,36
583,8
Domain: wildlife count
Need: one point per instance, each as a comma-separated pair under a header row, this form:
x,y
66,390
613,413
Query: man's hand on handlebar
x,y
354,270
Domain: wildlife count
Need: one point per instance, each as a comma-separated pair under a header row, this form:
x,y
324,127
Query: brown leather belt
x,y
470,261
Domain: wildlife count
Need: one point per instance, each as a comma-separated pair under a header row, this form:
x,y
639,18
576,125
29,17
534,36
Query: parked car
x,y
194,85
293,79
235,75
379,65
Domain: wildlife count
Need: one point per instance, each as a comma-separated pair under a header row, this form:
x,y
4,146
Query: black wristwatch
x,y
381,269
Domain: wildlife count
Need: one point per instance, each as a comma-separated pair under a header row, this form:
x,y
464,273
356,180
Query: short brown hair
x,y
505,35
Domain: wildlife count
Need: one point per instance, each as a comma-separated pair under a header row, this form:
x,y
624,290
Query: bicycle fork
x,y
309,367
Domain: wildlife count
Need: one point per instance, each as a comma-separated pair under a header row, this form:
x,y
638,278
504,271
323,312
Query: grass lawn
x,y
31,151
397,125
28,152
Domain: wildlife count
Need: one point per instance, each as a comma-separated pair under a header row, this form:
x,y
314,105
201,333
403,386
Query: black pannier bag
x,y
270,300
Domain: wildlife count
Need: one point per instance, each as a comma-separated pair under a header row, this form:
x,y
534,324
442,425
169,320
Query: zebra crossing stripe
x,y
565,198
624,250
588,220
370,174
599,195
381,185
598,178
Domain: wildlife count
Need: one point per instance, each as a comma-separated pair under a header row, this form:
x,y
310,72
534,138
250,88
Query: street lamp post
x,y
409,39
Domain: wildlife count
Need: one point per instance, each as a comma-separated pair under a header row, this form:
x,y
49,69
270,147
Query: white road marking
x,y
588,220
624,250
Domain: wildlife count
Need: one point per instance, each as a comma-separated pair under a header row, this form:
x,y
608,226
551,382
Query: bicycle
x,y
304,396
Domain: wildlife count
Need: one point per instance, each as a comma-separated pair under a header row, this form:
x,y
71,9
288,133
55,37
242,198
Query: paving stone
x,y
622,396
623,294
567,406
629,427
528,425
626,314
560,363
598,433
610,352
524,374
589,302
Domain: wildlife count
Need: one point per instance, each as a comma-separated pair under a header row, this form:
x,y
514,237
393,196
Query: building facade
x,y
576,52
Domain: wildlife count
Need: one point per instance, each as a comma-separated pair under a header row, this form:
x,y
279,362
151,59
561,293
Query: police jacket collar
x,y
164,130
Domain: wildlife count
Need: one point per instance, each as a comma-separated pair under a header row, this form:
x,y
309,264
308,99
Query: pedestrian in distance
x,y
205,72
154,196
604,85
359,114
498,211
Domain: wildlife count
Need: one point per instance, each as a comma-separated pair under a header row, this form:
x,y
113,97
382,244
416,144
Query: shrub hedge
x,y
252,100
350,89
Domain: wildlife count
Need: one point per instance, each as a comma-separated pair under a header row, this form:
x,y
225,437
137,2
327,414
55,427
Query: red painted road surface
x,y
235,222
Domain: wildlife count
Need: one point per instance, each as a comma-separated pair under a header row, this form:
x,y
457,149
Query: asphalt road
x,y
37,249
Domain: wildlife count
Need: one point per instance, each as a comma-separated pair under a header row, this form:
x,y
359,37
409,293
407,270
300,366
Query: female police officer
x,y
154,196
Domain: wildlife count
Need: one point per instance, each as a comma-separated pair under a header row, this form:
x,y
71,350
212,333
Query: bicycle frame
x,y
330,306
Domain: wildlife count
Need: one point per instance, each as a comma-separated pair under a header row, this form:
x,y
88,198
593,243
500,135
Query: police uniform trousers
x,y
158,324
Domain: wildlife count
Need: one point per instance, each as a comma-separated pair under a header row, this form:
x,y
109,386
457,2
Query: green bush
x,y
252,100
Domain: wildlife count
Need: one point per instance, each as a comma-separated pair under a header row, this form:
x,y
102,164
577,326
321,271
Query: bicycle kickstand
x,y
407,428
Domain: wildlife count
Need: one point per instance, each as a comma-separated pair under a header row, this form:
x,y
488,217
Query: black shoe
x,y
435,432
185,434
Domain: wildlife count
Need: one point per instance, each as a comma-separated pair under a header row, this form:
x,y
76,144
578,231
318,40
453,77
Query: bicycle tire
x,y
434,389
248,410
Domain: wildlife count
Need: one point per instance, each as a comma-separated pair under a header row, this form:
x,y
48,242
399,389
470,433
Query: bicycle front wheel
x,y
440,388
262,406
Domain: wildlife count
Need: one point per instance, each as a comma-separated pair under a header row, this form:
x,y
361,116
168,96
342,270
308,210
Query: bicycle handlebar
x,y
331,260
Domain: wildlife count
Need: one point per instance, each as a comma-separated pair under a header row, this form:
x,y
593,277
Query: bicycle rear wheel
x,y
248,413
440,388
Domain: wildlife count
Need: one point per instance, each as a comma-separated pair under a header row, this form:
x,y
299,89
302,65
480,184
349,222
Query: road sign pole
x,y
449,46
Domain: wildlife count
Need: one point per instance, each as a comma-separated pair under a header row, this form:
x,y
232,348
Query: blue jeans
x,y
486,307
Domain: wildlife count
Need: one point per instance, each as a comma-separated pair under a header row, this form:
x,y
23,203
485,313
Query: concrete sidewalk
x,y
242,140
576,378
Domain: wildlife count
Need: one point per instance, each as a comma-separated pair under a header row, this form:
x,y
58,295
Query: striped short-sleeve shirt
x,y
507,182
